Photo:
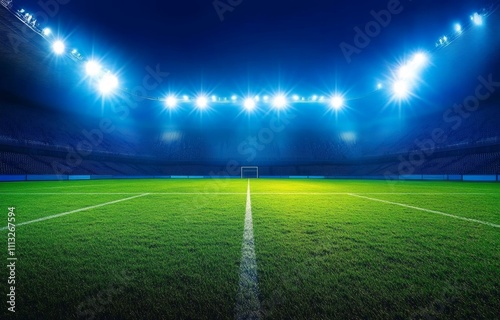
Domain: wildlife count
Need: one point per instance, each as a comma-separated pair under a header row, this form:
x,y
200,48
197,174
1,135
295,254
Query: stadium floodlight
x,y
171,102
458,28
249,104
202,102
279,101
477,19
337,102
401,89
93,68
46,32
59,47
108,83
419,60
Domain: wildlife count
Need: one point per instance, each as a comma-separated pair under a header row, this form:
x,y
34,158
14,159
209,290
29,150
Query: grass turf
x,y
321,252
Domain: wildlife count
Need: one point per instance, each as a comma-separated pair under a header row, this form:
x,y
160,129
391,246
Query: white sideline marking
x,y
75,211
247,301
427,210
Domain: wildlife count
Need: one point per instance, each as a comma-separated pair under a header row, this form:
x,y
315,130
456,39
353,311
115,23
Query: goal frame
x,y
250,167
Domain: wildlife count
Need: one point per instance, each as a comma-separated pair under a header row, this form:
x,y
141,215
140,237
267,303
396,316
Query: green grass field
x,y
324,249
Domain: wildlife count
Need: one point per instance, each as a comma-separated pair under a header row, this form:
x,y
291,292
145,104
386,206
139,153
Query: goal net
x,y
249,172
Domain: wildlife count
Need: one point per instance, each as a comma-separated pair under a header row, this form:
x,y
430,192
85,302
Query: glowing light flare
x,y
249,104
401,89
108,83
477,19
337,102
458,28
46,32
279,102
93,68
202,102
171,102
58,47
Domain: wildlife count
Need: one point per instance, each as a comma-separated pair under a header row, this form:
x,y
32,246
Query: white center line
x,y
247,302
429,211
75,211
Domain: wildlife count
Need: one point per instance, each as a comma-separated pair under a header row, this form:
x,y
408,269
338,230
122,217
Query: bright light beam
x,y
202,102
337,102
93,68
108,83
477,19
401,89
279,102
58,47
249,104
171,102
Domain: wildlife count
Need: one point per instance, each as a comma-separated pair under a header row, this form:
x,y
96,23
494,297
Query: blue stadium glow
x,y
405,78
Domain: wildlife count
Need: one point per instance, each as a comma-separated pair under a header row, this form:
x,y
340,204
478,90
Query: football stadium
x,y
250,160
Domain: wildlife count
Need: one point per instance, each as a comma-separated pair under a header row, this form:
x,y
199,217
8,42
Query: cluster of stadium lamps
x,y
404,79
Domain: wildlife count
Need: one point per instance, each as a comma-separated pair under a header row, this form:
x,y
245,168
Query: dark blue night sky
x,y
294,42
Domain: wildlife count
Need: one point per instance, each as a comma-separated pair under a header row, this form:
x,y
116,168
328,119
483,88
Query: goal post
x,y
249,172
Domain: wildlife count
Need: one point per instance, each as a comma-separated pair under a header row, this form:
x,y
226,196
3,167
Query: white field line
x,y
429,211
247,301
75,211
